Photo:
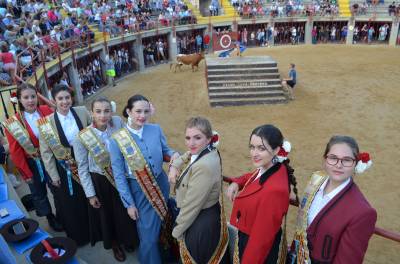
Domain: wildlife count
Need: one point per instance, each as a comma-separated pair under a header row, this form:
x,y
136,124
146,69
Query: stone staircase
x,y
244,81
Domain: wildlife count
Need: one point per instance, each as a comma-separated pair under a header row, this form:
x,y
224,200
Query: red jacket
x,y
258,211
340,232
18,154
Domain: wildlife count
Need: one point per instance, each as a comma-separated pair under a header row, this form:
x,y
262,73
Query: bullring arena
x,y
342,89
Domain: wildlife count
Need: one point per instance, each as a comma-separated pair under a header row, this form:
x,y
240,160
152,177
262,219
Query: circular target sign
x,y
225,41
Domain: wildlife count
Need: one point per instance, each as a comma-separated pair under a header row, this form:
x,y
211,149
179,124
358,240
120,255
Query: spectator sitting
x,y
8,60
392,9
288,84
8,20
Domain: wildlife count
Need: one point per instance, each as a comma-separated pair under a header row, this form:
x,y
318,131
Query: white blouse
x,y
136,132
32,121
321,199
69,126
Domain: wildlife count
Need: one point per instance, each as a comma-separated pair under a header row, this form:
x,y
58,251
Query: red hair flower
x,y
364,157
284,151
364,162
215,139
13,98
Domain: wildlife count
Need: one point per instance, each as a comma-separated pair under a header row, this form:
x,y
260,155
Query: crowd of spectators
x,y
155,52
192,43
329,33
265,34
141,15
370,6
51,27
369,33
285,8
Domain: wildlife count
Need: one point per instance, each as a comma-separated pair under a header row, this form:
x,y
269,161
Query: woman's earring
x,y
274,160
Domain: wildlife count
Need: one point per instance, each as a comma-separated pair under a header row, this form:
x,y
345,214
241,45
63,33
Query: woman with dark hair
x,y
110,223
57,134
335,220
262,203
8,60
137,153
25,152
200,225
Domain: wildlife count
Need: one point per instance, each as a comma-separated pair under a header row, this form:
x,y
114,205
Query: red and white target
x,y
225,41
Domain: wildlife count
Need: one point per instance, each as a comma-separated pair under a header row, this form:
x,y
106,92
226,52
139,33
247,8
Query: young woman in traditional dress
x,y
57,133
23,137
261,205
200,225
94,167
137,153
335,220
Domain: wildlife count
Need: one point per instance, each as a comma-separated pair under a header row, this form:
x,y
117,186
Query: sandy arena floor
x,y
341,90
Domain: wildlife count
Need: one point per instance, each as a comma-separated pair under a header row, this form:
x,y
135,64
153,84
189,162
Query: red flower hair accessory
x,y
364,162
284,151
13,98
215,139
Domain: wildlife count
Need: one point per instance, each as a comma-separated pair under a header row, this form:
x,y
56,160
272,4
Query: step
x,y
222,89
234,95
242,65
248,101
246,83
242,70
248,77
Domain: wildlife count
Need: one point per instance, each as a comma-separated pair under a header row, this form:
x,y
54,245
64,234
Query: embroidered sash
x,y
299,252
62,154
144,176
18,131
219,252
97,150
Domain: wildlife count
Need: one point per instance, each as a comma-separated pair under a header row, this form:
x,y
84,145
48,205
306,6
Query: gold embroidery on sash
x,y
48,133
17,130
97,150
222,244
302,252
144,176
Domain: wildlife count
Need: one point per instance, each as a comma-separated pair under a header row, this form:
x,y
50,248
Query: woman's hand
x,y
56,183
174,156
94,201
232,191
172,174
133,212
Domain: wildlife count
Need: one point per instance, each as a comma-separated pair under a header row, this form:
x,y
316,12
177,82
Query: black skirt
x,y
203,236
73,209
111,221
273,254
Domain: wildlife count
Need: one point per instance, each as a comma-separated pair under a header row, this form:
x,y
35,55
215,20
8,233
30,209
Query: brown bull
x,y
190,59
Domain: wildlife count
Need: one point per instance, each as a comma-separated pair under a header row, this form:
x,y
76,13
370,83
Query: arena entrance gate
x,y
289,33
367,32
248,34
331,31
152,49
186,41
